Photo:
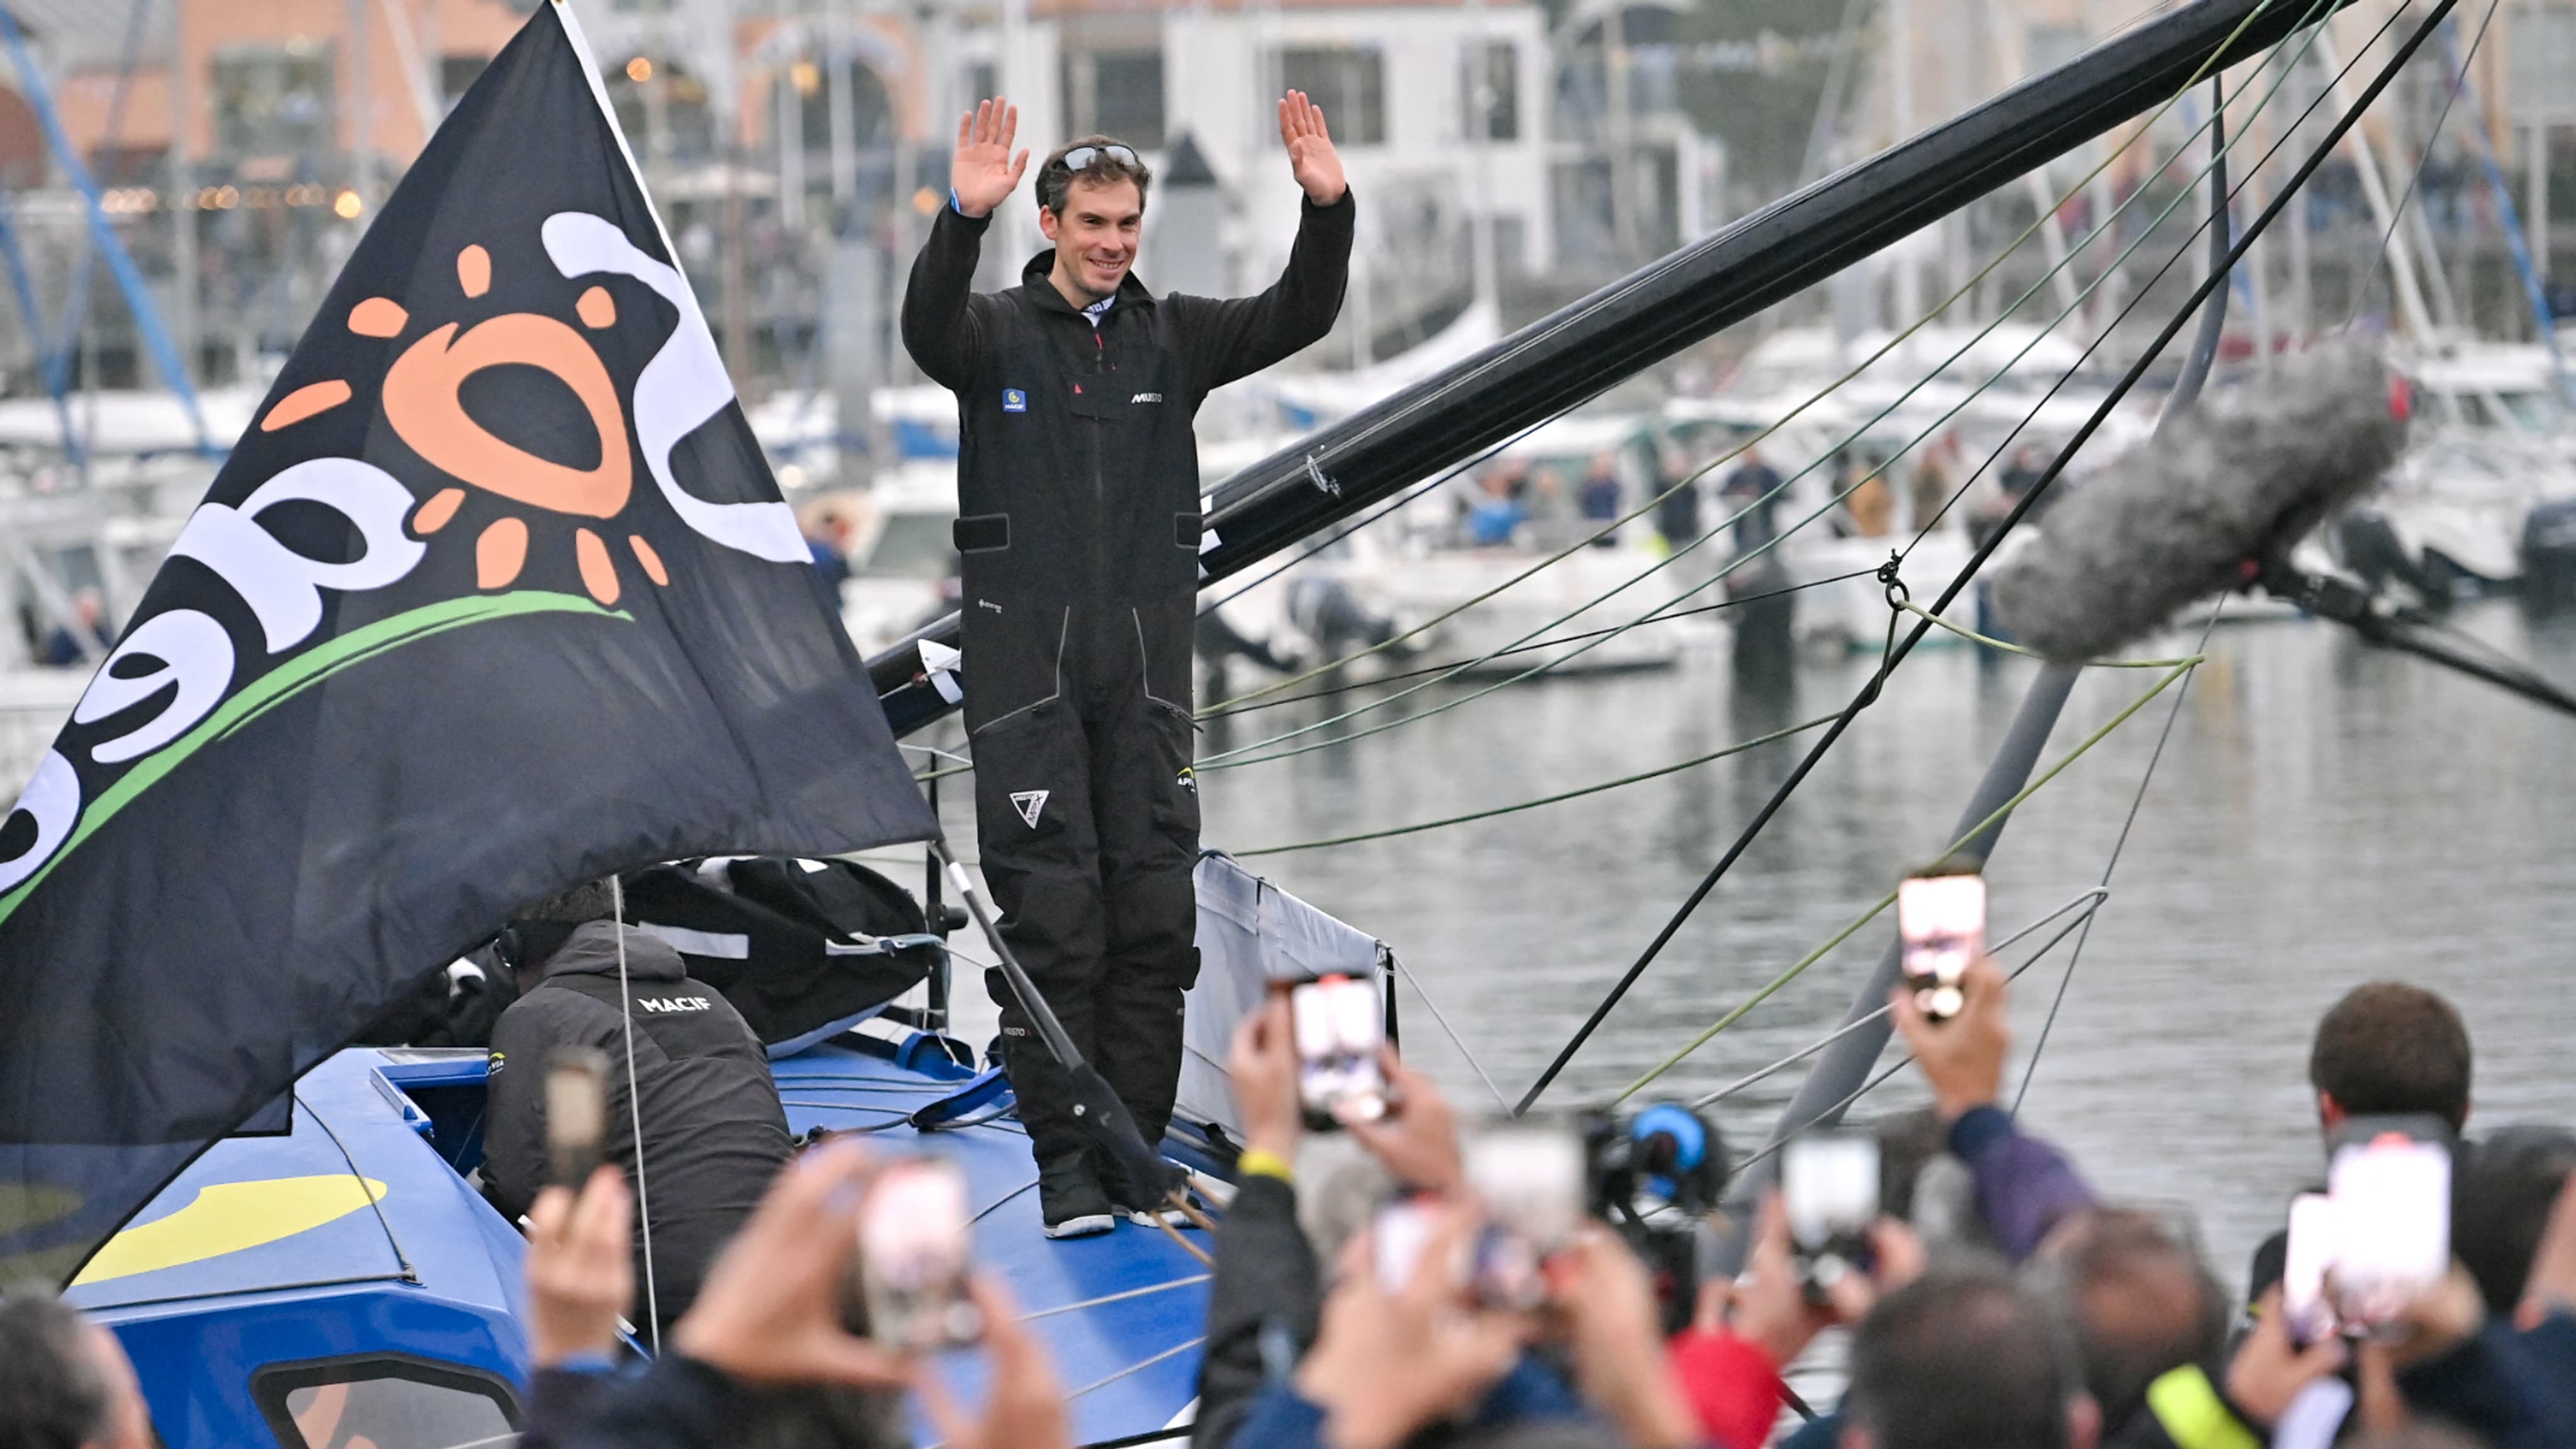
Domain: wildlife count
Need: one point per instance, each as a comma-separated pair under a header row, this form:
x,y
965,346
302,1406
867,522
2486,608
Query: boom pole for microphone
x,y
2331,596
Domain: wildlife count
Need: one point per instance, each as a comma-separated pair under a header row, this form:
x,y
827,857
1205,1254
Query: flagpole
x,y
635,1116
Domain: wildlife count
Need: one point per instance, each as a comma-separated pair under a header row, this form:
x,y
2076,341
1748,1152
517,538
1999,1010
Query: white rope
x,y
635,1115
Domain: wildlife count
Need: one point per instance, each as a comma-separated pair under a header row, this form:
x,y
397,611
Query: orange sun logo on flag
x,y
423,402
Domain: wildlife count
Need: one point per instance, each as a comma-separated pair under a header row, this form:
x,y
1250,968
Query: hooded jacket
x,y
714,1132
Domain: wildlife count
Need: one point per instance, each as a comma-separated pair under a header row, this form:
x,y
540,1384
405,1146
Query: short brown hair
x,y
2392,1048
1055,178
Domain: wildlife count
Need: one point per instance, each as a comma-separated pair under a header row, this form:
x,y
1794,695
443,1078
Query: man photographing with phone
x,y
1078,531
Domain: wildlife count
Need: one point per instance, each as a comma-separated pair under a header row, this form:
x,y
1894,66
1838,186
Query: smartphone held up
x,y
576,1113
1941,919
1339,1024
2379,1238
913,1257
1829,1187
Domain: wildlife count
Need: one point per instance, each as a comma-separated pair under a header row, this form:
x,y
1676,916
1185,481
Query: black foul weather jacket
x,y
1078,537
1077,467
714,1133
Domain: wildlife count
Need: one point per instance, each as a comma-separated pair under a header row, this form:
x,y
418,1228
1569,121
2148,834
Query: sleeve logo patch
x,y
1014,400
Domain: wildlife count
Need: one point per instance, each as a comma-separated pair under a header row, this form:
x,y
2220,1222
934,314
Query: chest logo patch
x,y
1014,400
1145,397
1030,803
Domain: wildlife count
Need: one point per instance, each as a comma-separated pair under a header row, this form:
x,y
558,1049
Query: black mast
x,y
1563,359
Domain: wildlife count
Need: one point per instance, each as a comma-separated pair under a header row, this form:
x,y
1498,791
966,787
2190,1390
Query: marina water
x,y
2326,814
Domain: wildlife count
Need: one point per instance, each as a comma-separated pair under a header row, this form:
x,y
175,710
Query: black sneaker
x,y
1070,1199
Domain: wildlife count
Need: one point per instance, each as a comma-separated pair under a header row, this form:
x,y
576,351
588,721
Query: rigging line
x,y
1917,325
1145,1292
1137,1367
2021,509
2119,843
1335,533
1224,760
409,1274
1972,636
1735,602
2280,78
1231,759
2088,901
1901,1063
934,751
635,1112
1452,1032
2397,213
1846,933
1557,799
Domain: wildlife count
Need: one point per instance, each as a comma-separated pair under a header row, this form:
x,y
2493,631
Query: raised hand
x,y
1311,157
581,1278
770,1312
985,172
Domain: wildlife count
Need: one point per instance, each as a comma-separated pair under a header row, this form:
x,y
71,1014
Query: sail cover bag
x,y
1252,933
495,595
795,944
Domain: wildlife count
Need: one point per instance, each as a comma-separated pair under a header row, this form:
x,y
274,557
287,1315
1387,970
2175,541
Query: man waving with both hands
x,y
1078,531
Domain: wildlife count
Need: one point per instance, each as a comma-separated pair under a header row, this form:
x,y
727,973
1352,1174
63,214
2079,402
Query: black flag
x,y
495,596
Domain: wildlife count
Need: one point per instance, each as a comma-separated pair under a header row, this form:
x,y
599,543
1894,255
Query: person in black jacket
x,y
713,1130
1078,534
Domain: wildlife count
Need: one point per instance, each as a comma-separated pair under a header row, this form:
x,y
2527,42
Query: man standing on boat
x,y
1079,535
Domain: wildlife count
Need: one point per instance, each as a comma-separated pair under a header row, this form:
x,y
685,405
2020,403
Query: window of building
x,y
275,100
1489,91
1115,93
1348,81
390,1401
982,80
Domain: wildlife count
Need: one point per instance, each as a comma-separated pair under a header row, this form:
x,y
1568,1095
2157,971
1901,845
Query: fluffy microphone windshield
x,y
2249,470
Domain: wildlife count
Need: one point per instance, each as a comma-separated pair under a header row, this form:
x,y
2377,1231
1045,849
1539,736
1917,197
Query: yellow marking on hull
x,y
230,1217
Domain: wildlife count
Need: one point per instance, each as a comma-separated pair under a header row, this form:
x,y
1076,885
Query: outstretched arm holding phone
x,y
2024,1186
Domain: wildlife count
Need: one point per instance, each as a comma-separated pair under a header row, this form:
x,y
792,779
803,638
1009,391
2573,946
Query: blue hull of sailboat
x,y
350,1250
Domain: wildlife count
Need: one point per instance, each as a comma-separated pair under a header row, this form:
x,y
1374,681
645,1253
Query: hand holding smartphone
x,y
2390,1235
913,1259
1531,1181
1941,919
576,1113
1339,1024
1829,1187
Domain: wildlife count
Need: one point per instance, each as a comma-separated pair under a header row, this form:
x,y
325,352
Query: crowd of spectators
x,y
2000,1302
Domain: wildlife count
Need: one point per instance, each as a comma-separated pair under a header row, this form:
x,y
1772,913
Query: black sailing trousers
x,y
1087,814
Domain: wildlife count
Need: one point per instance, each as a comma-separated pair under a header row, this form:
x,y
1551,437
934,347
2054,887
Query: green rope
x,y
2042,219
1445,669
1991,642
2179,669
1232,759
1654,774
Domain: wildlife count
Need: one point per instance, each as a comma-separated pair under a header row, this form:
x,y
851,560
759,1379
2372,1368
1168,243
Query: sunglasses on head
x,y
1082,156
